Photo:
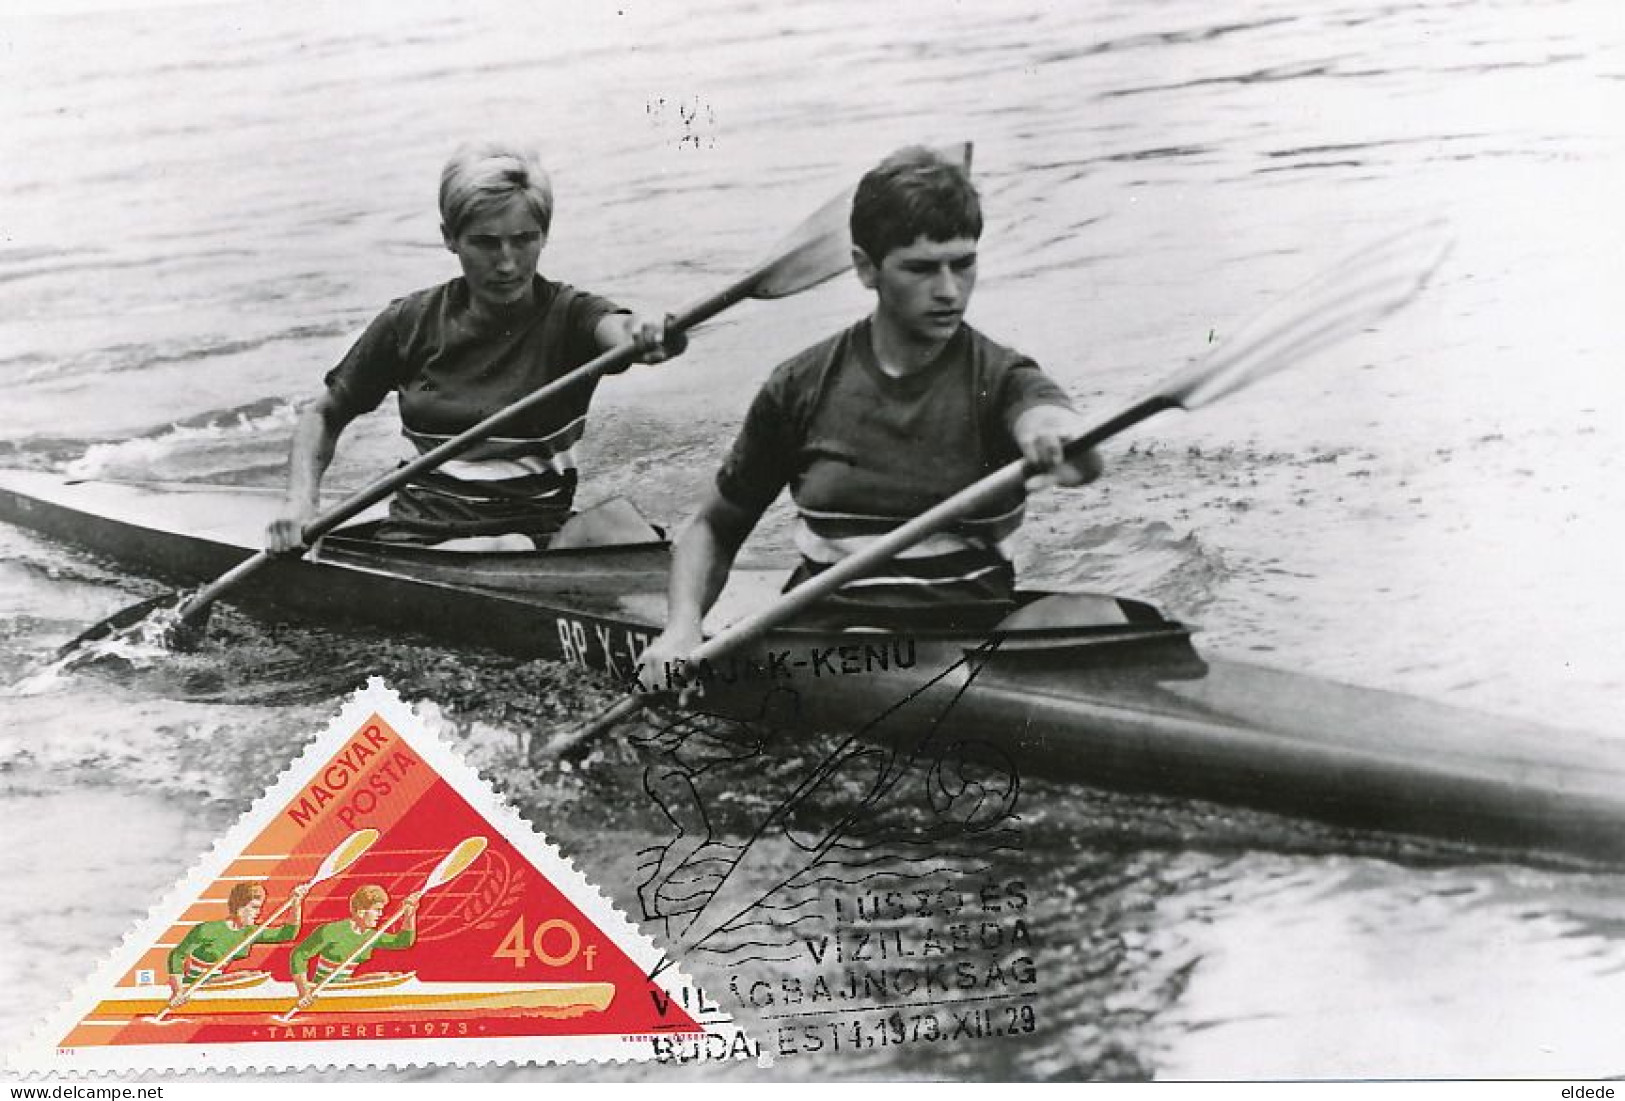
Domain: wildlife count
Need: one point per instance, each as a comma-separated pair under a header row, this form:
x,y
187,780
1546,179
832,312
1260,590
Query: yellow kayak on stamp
x,y
401,993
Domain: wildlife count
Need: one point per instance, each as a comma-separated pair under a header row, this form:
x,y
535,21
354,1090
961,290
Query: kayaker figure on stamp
x,y
460,351
339,947
882,421
206,944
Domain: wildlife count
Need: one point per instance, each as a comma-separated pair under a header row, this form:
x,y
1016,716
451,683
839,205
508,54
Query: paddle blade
x,y
572,744
466,852
152,622
1343,301
820,248
121,620
348,852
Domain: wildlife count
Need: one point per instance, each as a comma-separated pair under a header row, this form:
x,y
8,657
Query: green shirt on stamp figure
x,y
210,942
331,944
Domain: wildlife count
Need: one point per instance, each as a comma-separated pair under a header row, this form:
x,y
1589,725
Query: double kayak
x,y
1073,687
409,996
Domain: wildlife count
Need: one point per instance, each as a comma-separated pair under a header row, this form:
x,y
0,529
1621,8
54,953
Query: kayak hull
x,y
1116,696
412,999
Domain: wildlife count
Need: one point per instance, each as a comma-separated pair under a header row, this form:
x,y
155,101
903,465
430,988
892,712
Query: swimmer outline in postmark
x,y
379,905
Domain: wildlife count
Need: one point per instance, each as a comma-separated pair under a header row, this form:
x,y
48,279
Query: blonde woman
x,y
460,351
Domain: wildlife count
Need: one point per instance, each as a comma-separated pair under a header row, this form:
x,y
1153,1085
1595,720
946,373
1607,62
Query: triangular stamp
x,y
380,905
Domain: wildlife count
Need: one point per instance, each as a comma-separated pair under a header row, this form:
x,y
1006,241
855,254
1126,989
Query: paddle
x,y
450,867
818,249
1349,297
347,853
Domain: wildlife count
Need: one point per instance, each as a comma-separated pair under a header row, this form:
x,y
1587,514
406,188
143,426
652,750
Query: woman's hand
x,y
286,534
657,340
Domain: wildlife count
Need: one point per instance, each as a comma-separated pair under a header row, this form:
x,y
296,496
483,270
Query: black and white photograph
x,y
1024,541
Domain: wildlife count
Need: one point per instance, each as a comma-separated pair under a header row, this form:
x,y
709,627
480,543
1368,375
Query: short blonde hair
x,y
482,176
368,897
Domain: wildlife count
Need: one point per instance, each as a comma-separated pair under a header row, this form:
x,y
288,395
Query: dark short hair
x,y
916,192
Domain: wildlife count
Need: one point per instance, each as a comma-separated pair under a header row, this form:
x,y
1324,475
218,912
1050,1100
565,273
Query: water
x,y
203,205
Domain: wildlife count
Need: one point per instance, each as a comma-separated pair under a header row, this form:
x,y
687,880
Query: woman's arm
x,y
315,438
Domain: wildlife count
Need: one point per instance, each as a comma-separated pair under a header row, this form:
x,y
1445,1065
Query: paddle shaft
x,y
614,359
449,868
347,853
1010,477
214,969
383,927
928,523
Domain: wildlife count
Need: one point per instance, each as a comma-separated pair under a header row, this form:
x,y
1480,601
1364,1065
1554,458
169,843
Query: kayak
x,y
414,997
235,980
242,980
1075,687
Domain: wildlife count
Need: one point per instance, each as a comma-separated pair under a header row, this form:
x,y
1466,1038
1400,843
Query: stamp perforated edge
x,y
39,1055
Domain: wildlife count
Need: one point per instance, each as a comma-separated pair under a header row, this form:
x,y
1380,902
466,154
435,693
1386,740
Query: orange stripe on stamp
x,y
380,903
